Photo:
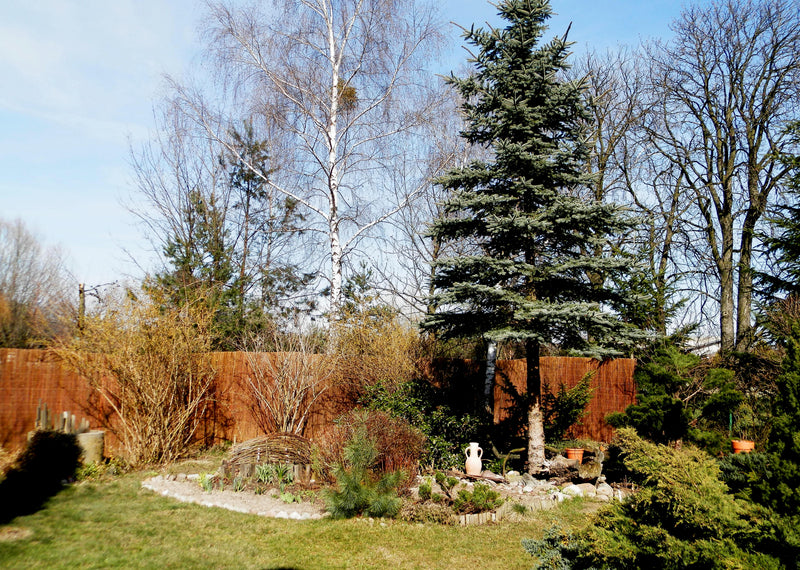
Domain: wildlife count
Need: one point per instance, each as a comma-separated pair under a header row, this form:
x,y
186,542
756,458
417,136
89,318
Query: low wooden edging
x,y
477,518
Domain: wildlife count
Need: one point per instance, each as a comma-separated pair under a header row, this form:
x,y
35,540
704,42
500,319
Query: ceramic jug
x,y
474,454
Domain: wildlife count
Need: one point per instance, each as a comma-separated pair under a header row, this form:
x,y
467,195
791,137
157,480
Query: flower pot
x,y
742,445
575,453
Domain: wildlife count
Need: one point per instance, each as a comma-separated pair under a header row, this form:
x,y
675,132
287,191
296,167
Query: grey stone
x,y
605,490
590,470
563,462
587,489
572,491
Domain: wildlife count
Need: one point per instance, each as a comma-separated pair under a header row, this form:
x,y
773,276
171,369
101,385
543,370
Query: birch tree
x,y
343,88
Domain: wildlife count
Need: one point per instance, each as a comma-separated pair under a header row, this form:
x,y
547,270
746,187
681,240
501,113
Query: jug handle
x,y
480,453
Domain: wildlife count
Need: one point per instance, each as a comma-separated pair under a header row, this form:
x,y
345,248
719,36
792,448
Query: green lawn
x,y
115,523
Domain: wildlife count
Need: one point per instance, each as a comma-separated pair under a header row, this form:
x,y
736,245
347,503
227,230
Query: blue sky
x,y
79,79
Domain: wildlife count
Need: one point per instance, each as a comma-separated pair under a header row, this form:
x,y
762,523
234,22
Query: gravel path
x,y
186,488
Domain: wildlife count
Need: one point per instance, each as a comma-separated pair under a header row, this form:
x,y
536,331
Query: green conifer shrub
x,y
682,516
362,490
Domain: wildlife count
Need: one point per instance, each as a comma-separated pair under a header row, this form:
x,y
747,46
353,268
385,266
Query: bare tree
x,y
34,297
410,254
724,88
343,86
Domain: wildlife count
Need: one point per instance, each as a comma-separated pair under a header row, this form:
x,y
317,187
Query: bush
x,y
681,517
361,490
565,408
427,513
418,402
482,498
398,444
50,458
150,365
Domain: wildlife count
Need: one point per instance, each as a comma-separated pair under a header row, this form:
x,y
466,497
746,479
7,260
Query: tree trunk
x,y
726,305
535,417
488,381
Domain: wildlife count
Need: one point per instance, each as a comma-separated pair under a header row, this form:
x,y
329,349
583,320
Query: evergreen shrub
x,y
446,430
682,516
362,489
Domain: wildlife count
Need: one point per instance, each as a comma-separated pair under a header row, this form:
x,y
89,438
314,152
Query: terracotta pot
x,y
575,453
742,445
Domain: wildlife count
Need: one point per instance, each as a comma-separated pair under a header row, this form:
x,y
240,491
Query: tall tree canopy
x,y
538,237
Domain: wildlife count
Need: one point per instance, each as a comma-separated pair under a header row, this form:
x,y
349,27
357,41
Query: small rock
x,y
295,516
193,477
587,489
527,489
487,473
282,515
590,470
528,479
559,461
605,490
181,477
572,491
514,478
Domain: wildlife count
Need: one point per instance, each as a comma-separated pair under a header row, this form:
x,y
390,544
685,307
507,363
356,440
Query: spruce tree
x,y
536,235
783,244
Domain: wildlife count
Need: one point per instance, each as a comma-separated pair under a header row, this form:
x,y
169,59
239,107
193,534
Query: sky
x,y
79,79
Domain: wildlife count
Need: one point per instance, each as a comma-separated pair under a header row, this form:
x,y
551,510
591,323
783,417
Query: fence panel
x,y
30,376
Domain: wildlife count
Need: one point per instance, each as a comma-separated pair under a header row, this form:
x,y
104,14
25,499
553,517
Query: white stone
x,y
572,491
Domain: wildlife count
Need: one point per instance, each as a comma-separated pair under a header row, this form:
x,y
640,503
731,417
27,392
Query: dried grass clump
x,y
7,460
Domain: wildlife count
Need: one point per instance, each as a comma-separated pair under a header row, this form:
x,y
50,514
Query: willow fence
x,y
31,377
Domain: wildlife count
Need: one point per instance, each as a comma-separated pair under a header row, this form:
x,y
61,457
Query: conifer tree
x,y
783,246
529,282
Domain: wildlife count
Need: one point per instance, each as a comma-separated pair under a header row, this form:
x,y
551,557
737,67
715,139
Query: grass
x,y
114,523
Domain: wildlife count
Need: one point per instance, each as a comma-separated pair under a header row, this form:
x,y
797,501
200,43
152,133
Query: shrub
x,y
682,517
149,363
286,377
360,489
49,459
427,513
419,403
566,407
398,444
482,498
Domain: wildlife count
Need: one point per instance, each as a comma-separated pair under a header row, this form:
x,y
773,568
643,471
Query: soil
x,y
269,504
